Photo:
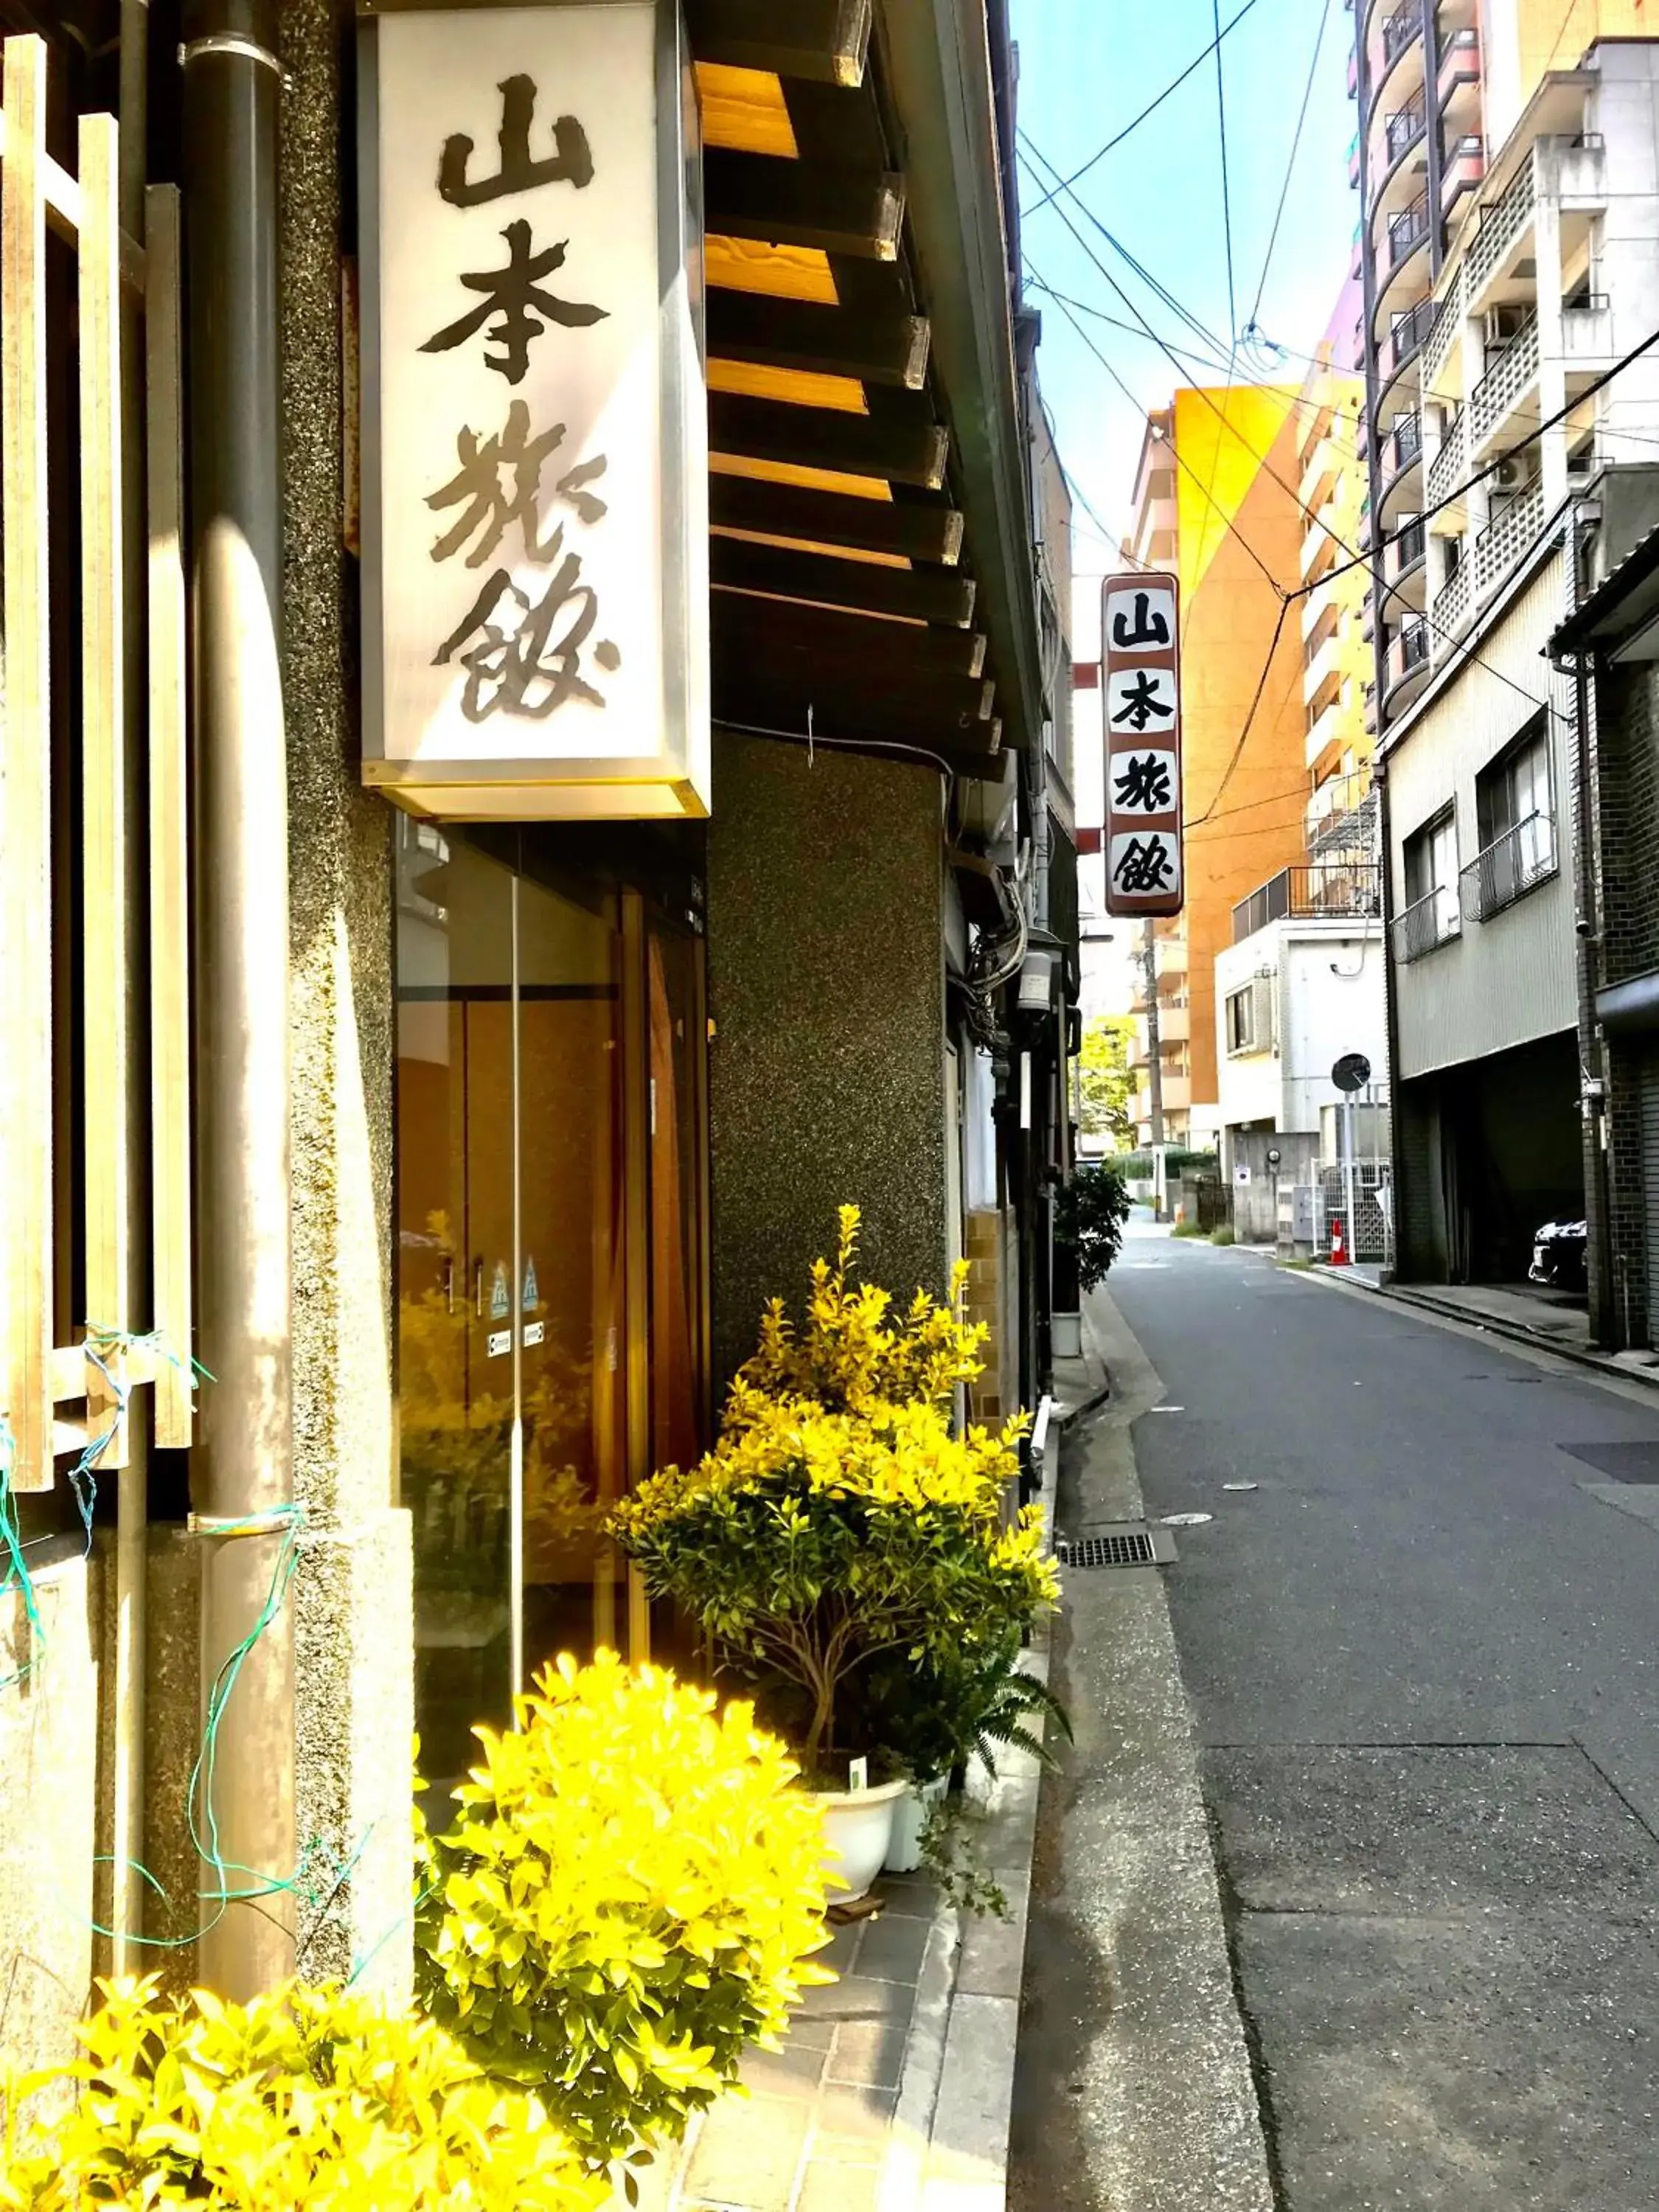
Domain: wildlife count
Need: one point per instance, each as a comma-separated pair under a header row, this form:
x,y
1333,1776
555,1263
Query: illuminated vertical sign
x,y
1141,712
534,412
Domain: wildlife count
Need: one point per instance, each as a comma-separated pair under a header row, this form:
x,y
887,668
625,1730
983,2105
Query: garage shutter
x,y
1649,1082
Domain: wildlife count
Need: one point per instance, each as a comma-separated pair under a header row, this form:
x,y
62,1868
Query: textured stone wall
x,y
827,990
355,1659
1627,783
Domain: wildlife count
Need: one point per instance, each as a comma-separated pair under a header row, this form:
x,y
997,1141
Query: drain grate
x,y
1131,1544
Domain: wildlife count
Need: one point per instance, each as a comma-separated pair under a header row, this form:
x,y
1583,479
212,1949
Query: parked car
x,y
1558,1254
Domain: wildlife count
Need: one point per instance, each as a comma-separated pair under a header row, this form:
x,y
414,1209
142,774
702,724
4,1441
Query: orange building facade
x,y
1216,500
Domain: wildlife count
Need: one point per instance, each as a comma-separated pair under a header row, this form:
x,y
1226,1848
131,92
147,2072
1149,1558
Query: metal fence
x,y
1509,867
1352,890
1368,1234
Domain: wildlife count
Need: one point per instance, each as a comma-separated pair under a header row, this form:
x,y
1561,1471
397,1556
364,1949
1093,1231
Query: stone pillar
x,y
354,1657
826,910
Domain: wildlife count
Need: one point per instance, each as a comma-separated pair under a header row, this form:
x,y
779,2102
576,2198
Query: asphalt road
x,y
1424,1663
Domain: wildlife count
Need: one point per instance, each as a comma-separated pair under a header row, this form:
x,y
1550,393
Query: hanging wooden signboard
x,y
1140,713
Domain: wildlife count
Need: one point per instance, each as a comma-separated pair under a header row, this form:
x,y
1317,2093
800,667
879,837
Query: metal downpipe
x,y
242,1482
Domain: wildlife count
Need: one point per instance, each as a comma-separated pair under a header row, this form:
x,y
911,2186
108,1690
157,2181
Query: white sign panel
x,y
1140,709
535,462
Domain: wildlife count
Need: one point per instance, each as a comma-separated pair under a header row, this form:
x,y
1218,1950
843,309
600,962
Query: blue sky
x,y
1086,67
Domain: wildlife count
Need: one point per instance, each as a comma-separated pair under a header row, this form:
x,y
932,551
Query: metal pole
x,y
1347,1170
242,1483
133,1482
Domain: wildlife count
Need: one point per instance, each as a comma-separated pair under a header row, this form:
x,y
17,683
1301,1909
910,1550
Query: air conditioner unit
x,y
1510,474
1504,323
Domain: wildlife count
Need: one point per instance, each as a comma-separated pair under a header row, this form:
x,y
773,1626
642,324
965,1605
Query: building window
x,y
1432,913
1516,818
1249,1016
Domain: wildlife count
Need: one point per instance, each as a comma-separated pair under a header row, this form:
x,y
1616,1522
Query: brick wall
x,y
1626,736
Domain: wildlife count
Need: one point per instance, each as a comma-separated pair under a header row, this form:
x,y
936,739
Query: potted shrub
x,y
839,1523
628,1898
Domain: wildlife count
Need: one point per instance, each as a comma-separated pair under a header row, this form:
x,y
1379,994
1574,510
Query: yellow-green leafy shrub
x,y
626,1902
839,1523
306,2098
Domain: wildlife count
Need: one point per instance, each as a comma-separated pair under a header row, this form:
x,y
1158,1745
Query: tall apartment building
x,y
1440,85
1341,810
1215,496
1549,281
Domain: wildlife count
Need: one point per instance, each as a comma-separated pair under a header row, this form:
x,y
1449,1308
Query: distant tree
x,y
1108,1085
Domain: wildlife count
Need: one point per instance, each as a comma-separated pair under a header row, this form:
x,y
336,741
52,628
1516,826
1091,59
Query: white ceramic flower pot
x,y
910,1819
857,1826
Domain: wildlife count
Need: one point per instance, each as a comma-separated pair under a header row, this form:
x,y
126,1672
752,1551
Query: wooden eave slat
x,y
924,716
840,125
908,448
826,40
825,517
797,334
793,682
839,210
936,595
866,641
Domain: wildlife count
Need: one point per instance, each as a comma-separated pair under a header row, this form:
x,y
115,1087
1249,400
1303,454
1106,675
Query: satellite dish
x,y
1351,1072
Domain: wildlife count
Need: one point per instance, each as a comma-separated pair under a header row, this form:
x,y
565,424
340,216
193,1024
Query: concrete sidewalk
x,y
1534,1316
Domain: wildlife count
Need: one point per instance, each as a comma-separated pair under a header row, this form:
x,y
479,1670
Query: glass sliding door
x,y
571,1270
552,1259
455,1205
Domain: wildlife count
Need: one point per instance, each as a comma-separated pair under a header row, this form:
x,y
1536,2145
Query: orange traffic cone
x,y
1339,1244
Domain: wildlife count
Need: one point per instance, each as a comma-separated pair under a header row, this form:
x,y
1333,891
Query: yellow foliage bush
x,y
306,2098
626,1902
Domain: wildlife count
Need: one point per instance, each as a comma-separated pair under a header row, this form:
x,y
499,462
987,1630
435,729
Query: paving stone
x,y
748,2153
871,2051
993,1955
849,2110
892,1949
841,1952
909,1895
794,2072
837,2187
855,1998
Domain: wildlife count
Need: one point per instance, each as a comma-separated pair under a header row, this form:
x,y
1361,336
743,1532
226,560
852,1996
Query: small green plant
x,y
934,1717
626,1902
1185,1229
1090,1211
305,2097
953,1853
1224,1235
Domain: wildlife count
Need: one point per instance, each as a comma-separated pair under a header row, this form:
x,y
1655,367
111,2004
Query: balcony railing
x,y
1408,651
1402,129
1501,224
1459,57
1451,604
1306,894
1447,467
1507,536
1508,868
1408,440
1507,374
1407,230
1398,31
1408,547
1407,333
1431,920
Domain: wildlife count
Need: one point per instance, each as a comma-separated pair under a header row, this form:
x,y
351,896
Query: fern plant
x,y
1014,1702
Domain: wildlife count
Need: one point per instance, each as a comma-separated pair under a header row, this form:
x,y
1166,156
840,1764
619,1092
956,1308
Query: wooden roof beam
x,y
830,518
906,448
839,210
826,40
801,334
866,641
934,595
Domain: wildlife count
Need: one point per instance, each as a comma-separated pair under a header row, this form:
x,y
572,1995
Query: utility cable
x,y
1184,466
1227,189
1152,107
1254,325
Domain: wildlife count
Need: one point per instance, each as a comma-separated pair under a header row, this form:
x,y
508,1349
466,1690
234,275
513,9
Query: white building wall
x,y
1328,982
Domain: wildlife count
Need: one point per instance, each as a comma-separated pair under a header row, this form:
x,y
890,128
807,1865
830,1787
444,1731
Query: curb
x,y
949,2147
1601,1363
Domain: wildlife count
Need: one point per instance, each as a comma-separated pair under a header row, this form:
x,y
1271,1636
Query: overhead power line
x,y
1152,107
1226,188
1290,167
